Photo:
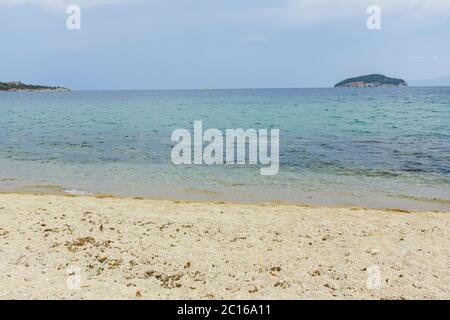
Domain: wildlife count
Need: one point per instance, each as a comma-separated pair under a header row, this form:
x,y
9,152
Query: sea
x,y
369,147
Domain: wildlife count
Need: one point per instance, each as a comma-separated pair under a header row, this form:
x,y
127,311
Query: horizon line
x,y
247,88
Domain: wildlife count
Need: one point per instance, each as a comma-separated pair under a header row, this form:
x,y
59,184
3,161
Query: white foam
x,y
76,192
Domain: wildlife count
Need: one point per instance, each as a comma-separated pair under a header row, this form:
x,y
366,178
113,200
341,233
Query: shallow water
x,y
369,147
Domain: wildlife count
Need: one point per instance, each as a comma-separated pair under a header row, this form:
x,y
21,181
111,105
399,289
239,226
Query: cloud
x,y
305,12
253,38
57,4
416,57
280,12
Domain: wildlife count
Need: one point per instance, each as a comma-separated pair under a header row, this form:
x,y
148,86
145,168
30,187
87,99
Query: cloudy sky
x,y
153,44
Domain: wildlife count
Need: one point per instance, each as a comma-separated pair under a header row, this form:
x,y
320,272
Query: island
x,y
22,87
372,81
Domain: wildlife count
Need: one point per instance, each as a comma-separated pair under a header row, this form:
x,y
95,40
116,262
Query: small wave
x,y
46,188
76,192
201,191
423,199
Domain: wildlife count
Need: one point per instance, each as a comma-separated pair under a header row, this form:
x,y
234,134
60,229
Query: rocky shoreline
x,y
22,87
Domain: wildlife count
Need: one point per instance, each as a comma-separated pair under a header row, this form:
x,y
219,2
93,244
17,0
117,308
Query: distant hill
x,y
372,80
19,86
443,81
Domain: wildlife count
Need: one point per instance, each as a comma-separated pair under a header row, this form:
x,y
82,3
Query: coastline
x,y
148,249
36,90
59,191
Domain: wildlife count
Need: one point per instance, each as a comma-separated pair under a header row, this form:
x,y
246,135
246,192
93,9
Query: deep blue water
x,y
372,147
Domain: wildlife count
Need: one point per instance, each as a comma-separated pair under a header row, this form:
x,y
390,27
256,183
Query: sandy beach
x,y
124,248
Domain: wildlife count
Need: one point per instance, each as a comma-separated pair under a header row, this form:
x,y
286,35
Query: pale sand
x,y
148,249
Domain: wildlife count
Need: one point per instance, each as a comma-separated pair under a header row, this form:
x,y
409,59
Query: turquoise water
x,y
370,147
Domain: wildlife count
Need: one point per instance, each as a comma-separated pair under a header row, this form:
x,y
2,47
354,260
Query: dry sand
x,y
151,249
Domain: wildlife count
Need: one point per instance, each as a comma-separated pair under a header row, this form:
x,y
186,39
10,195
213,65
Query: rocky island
x,y
371,81
19,86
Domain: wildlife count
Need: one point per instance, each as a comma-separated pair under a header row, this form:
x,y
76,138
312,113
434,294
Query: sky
x,y
195,44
